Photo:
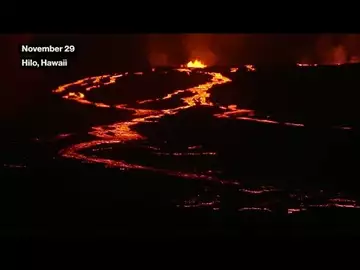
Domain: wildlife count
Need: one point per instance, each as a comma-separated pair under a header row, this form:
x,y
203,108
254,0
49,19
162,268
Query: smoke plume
x,y
333,49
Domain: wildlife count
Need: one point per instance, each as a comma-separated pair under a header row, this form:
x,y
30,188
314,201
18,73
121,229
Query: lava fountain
x,y
195,64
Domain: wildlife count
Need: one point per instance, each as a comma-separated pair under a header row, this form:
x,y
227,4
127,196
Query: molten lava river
x,y
124,134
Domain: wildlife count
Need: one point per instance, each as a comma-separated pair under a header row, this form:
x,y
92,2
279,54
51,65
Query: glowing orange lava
x,y
250,68
123,132
196,64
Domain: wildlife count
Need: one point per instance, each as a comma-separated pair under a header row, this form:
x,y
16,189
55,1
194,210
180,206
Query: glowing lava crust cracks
x,y
123,132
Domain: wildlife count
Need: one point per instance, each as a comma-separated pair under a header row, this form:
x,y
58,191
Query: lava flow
x,y
123,132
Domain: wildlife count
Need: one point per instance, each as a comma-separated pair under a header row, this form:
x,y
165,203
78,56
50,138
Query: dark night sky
x,y
103,53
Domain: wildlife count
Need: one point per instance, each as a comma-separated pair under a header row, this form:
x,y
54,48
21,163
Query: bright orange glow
x,y
196,64
250,67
